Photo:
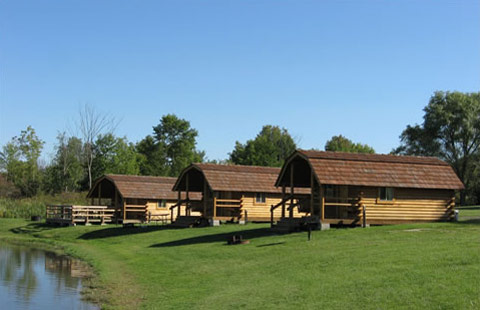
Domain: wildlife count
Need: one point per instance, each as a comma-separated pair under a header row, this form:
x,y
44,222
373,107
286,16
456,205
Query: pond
x,y
36,279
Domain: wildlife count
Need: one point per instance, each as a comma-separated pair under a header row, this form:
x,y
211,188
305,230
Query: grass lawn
x,y
416,266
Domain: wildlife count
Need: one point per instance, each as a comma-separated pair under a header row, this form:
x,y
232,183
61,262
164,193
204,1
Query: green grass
x,y
416,266
27,207
469,211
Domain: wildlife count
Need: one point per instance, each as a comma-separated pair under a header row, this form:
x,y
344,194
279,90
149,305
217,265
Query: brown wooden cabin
x,y
393,189
230,192
137,199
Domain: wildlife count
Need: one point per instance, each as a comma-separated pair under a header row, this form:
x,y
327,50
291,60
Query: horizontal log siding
x,y
261,212
409,205
152,208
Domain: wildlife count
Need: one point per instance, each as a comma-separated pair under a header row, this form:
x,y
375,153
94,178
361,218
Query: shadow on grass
x,y
468,208
474,220
121,231
223,237
32,228
270,244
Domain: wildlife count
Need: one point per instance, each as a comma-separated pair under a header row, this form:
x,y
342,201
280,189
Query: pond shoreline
x,y
91,291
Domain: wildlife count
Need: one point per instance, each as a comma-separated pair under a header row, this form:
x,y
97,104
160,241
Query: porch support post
x,y
291,190
99,192
312,179
214,207
187,210
283,201
205,198
322,203
115,205
179,204
124,210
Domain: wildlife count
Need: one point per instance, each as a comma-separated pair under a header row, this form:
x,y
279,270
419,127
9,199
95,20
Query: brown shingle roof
x,y
237,178
381,170
240,178
146,187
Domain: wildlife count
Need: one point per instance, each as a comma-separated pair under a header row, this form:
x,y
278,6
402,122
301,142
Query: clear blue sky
x,y
364,69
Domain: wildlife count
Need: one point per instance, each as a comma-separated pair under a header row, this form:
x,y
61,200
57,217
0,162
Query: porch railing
x,y
228,208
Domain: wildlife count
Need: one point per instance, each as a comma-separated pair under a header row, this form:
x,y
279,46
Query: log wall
x,y
408,205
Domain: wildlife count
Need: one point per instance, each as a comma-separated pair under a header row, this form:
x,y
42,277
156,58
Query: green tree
x,y
171,148
451,131
19,158
151,157
341,144
66,171
269,148
114,155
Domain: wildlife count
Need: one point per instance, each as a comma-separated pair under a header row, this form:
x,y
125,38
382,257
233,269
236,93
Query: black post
x,y
364,216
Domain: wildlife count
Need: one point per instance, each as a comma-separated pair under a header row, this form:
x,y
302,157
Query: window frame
x,y
386,200
263,201
162,204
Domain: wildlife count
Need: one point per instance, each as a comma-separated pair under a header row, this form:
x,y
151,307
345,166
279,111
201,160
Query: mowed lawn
x,y
417,266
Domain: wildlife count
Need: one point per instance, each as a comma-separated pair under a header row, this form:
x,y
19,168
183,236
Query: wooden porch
x,y
211,209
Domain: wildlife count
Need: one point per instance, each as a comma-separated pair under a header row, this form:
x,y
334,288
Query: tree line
x,y
450,131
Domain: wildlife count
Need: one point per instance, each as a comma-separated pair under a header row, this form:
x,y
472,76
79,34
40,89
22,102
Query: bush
x,y
27,207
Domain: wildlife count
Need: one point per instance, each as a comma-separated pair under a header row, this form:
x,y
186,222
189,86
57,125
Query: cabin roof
x,y
235,178
141,187
338,168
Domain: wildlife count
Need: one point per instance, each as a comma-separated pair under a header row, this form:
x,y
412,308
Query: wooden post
x,y
364,216
115,206
187,204
245,213
214,207
179,205
205,198
99,192
311,192
291,191
271,216
283,201
322,204
124,210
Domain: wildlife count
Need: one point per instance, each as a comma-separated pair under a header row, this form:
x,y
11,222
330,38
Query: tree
x,y
66,171
114,155
450,131
171,148
269,148
19,158
151,158
91,124
341,144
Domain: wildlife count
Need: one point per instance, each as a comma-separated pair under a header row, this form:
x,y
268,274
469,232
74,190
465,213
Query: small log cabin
x,y
136,198
230,192
393,189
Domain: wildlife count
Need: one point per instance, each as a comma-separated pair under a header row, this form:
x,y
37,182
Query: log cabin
x,y
364,189
229,193
136,199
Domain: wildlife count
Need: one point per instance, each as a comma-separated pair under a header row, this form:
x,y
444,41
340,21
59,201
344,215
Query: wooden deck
x,y
72,215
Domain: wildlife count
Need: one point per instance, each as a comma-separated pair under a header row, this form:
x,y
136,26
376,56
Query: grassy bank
x,y
417,266
27,207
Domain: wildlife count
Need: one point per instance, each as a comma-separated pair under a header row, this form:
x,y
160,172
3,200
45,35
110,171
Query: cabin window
x,y
386,193
260,198
161,204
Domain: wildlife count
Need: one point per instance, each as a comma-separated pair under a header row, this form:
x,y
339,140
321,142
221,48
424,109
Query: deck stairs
x,y
188,221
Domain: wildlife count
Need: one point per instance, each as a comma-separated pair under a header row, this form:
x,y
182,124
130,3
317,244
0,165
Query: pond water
x,y
36,279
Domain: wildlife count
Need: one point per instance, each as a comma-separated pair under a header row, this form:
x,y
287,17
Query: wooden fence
x,y
72,215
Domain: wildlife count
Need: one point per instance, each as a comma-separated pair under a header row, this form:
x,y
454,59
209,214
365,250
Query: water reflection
x,y
35,279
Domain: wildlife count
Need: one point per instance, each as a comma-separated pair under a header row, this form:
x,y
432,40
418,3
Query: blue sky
x,y
364,69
